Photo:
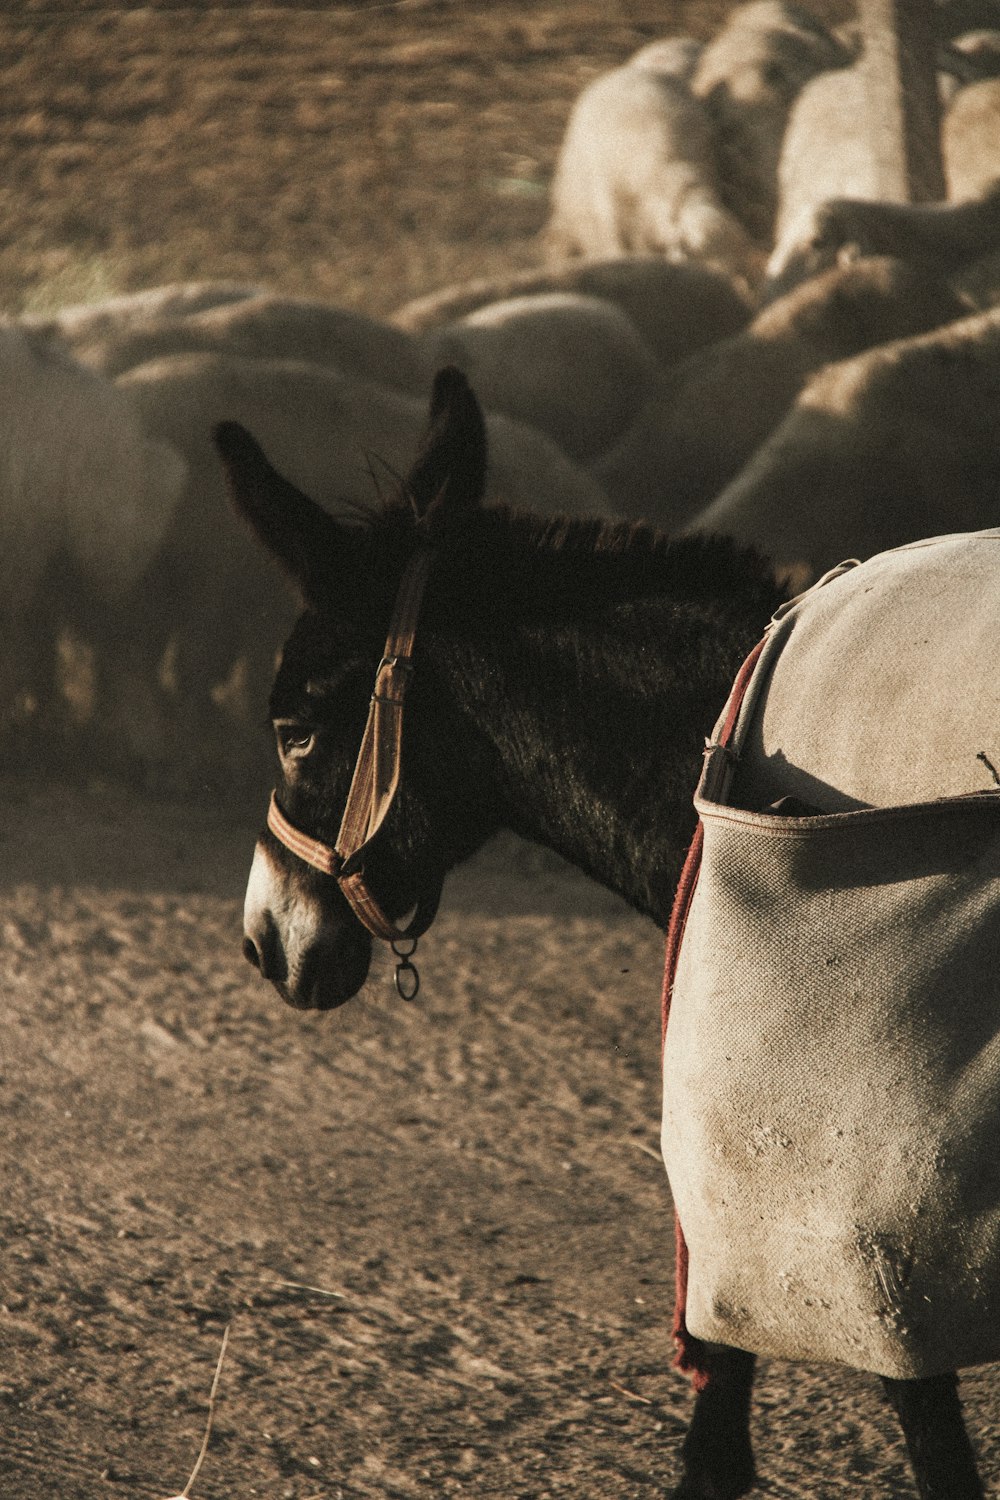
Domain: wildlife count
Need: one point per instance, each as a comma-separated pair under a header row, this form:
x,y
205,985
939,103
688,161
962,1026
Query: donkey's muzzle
x,y
315,957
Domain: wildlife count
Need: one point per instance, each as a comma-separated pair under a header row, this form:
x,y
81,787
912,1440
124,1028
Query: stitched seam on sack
x,y
775,826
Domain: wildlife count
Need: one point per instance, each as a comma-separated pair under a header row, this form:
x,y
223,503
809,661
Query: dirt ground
x,y
439,1234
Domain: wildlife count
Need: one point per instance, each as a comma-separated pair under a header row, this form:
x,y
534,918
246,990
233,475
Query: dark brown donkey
x,y
541,652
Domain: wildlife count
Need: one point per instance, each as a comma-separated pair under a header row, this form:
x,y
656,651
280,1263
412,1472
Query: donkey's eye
x,y
294,738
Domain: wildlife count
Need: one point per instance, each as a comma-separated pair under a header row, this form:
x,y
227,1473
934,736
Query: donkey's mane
x,y
546,563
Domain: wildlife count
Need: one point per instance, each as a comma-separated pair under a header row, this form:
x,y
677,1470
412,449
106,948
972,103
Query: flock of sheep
x,y
728,333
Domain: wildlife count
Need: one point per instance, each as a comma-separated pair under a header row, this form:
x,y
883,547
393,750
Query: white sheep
x,y
200,631
900,442
748,78
970,139
637,173
256,324
826,154
826,158
84,489
967,58
77,472
137,613
574,367
324,426
941,239
712,410
92,321
677,307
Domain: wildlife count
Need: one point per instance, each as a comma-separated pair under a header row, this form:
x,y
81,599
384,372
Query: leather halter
x,y
374,785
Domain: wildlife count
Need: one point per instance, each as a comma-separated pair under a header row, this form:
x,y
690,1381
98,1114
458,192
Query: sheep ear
x,y
449,475
299,534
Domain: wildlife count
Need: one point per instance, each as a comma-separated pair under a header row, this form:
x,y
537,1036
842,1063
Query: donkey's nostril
x,y
250,953
262,948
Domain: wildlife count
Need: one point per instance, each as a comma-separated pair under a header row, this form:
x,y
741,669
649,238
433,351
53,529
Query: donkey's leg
x,y
718,1458
931,1418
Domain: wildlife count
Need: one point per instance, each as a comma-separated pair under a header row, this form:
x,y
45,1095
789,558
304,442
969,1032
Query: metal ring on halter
x,y
408,987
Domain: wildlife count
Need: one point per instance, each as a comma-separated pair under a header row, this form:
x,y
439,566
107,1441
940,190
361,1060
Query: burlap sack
x,y
831,1121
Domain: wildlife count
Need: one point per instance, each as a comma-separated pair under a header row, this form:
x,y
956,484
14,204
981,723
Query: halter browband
x,y
374,785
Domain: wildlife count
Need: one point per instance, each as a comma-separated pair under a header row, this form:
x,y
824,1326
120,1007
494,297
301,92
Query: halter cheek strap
x,y
374,786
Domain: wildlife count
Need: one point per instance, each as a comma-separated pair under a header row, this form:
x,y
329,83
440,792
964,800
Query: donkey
x,y
541,644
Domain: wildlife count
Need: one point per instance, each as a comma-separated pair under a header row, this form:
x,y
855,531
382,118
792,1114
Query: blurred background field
x,y
360,154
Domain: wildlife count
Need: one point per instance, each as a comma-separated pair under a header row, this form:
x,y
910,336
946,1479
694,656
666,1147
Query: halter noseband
x,y
374,786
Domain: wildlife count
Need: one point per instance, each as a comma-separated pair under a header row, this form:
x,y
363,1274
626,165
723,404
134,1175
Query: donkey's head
x,y
299,928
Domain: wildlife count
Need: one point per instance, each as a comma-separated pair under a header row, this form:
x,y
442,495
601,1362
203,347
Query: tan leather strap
x,y
377,773
315,853
379,766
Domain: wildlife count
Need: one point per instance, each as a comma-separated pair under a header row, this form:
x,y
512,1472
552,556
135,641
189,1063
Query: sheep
x,y
206,617
970,139
325,424
714,408
897,443
676,306
87,496
968,58
77,474
826,153
826,158
261,325
748,77
92,321
573,366
636,172
971,143
938,238
959,17
671,56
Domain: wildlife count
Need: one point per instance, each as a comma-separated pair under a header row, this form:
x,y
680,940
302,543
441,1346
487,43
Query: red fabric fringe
x,y
692,1353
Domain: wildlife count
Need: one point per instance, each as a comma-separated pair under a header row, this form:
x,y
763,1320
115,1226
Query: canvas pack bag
x,y
831,1123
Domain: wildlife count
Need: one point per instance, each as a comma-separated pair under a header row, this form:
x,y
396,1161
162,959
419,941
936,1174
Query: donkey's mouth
x,y
315,999
325,981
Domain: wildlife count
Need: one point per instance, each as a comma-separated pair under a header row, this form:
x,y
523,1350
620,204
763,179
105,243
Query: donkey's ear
x,y
298,533
449,474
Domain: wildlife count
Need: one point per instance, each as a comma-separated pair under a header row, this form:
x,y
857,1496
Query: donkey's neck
x,y
597,726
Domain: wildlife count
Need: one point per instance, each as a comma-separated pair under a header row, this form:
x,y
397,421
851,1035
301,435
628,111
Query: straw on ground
x,y
186,1491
